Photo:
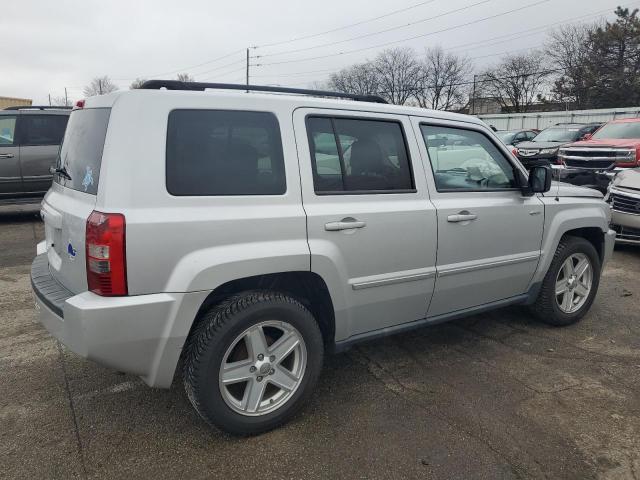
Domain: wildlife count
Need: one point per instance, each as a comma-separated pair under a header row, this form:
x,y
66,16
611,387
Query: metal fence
x,y
541,120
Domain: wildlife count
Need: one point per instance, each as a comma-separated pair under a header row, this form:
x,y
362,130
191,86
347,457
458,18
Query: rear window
x,y
81,149
224,152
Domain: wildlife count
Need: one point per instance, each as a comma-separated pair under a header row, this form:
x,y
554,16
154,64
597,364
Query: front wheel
x,y
571,283
252,362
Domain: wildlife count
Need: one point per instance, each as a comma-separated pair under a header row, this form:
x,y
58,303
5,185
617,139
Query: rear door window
x,y
224,152
81,150
358,156
43,129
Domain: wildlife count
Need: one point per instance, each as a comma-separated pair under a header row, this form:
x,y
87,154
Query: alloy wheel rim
x,y
573,283
262,368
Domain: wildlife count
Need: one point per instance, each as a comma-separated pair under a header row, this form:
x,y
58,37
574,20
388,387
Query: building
x,y
12,102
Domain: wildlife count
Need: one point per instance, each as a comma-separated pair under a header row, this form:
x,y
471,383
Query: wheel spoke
x,y
284,346
283,378
561,287
253,396
581,290
236,372
567,301
256,343
567,268
582,267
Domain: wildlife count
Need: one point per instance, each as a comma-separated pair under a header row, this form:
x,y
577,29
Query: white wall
x,y
541,120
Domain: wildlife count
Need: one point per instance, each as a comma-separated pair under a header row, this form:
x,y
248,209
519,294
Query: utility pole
x,y
247,65
66,98
49,99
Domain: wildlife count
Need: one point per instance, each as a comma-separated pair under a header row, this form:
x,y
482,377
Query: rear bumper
x,y
133,334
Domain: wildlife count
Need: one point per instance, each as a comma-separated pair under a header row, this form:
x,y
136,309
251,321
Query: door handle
x,y
6,155
344,224
461,217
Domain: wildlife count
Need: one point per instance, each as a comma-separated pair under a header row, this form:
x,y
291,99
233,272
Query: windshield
x,y
506,136
81,149
556,134
619,130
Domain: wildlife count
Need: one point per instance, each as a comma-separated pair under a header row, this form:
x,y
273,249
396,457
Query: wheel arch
x,y
307,287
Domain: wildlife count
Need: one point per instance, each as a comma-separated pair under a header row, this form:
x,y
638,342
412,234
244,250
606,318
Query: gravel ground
x,y
491,396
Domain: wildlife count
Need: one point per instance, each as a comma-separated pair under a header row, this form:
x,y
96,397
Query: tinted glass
x,y
623,130
368,156
7,129
43,129
81,150
558,134
466,160
222,152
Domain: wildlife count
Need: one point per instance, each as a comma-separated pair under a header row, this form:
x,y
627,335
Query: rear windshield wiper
x,y
62,171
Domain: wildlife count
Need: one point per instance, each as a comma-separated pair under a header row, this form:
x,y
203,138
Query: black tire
x,y
546,308
217,329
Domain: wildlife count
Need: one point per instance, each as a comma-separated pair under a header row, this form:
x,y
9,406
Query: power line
x,y
409,38
380,32
218,75
306,37
198,65
220,67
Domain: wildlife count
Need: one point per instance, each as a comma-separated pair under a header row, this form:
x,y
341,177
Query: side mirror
x,y
539,180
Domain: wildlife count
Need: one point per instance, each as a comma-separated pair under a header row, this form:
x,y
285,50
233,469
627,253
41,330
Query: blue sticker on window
x,y
88,179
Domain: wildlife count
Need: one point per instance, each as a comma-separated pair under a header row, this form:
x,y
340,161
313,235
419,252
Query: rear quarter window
x,y
81,149
224,152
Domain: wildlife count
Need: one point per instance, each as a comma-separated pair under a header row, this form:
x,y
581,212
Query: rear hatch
x,y
72,197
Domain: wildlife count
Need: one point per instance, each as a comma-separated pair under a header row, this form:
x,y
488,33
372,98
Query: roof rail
x,y
178,85
37,107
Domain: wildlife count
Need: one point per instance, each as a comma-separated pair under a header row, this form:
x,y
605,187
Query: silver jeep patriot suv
x,y
240,235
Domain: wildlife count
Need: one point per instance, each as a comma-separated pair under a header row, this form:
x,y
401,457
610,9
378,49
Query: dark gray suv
x,y
29,141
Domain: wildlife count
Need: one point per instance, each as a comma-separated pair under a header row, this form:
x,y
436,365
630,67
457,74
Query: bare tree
x,y
398,74
360,79
185,77
517,81
137,83
569,50
99,86
442,84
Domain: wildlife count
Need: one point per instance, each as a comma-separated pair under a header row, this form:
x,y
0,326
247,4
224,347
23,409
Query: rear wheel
x,y
570,285
252,362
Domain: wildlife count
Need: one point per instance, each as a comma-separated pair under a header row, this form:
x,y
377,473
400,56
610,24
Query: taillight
x,y
105,253
79,104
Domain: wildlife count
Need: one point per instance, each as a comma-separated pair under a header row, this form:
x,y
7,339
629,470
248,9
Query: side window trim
x,y
332,118
422,123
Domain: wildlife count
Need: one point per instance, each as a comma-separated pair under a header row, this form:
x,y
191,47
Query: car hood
x,y
539,145
561,189
607,142
628,179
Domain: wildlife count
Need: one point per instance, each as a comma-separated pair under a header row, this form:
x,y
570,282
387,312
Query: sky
x,y
50,45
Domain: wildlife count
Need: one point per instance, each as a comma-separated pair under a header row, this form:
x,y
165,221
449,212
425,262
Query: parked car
x,y
594,161
515,137
29,141
545,145
241,235
624,196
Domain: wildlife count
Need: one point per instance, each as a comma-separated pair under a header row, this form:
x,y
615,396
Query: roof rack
x,y
178,85
37,107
